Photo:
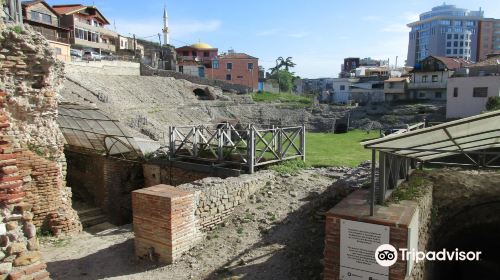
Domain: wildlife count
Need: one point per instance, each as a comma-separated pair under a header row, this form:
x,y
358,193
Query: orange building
x,y
203,60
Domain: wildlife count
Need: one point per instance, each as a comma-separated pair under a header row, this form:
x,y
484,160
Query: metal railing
x,y
243,145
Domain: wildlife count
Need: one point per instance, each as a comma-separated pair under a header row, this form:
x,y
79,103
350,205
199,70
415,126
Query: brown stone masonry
x,y
20,257
30,77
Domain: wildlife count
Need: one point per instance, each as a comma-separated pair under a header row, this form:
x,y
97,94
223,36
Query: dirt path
x,y
278,234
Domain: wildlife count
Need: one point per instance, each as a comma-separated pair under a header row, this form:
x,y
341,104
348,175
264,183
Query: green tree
x,y
285,79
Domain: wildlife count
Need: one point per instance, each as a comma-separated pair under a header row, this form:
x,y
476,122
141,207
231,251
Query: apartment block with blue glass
x,y
445,31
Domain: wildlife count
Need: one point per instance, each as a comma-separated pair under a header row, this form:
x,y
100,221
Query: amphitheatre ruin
x,y
124,172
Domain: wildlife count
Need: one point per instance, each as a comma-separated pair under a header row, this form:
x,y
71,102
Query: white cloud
x,y
268,32
297,35
410,16
151,27
395,28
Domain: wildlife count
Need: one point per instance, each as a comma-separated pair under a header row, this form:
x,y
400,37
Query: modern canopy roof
x,y
89,128
464,136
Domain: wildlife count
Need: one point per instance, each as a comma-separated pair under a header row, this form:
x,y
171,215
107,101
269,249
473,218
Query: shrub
x,y
493,103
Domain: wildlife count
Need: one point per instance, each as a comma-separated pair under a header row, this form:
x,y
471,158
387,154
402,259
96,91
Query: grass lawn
x,y
301,100
328,149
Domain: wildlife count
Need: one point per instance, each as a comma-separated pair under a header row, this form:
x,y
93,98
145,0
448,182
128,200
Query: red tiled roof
x,y
237,56
64,9
453,62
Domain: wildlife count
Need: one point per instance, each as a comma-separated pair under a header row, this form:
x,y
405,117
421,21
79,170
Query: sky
x,y
317,34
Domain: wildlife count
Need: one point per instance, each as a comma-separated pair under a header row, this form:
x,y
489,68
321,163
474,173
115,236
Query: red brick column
x,y
164,222
355,208
20,255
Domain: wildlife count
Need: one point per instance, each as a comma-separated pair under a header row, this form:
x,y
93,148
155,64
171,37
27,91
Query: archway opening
x,y
201,94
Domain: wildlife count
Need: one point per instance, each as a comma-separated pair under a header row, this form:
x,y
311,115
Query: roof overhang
x,y
463,136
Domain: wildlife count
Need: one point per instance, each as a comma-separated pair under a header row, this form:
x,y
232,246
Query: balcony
x,y
428,85
94,45
101,30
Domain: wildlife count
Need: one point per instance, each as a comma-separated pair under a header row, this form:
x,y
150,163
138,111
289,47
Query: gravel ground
x,y
278,234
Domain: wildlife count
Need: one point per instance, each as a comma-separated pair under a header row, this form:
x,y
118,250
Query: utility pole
x,y
161,50
135,45
278,73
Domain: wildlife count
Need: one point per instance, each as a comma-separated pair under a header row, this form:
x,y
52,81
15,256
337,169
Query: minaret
x,y
166,38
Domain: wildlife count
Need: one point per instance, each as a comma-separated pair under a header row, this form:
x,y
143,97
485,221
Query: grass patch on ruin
x,y
411,190
288,98
289,167
329,149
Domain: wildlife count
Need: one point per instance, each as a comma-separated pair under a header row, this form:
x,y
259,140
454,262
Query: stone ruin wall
x,y
20,256
31,77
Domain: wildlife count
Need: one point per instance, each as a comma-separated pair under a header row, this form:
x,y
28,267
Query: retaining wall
x,y
170,220
108,68
148,71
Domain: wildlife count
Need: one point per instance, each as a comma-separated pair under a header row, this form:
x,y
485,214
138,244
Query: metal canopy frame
x,y
476,138
88,128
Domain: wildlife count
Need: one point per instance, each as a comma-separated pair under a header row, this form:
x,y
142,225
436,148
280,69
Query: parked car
x,y
75,53
108,57
90,55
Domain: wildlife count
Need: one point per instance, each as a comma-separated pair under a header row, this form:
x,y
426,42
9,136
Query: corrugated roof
x,y
457,137
453,63
492,61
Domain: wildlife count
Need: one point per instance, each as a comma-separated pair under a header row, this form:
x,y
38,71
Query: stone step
x,y
89,212
93,220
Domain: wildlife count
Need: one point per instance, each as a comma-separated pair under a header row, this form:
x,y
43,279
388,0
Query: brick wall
x,y
20,256
44,185
30,77
396,216
164,223
172,219
105,182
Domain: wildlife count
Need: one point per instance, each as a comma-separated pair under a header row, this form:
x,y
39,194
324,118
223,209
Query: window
x,y
181,69
185,53
58,51
424,79
461,43
250,66
455,36
421,94
438,95
46,18
239,77
448,44
229,66
206,54
448,36
434,78
215,64
342,87
228,77
455,92
448,51
194,53
455,51
34,16
455,44
480,92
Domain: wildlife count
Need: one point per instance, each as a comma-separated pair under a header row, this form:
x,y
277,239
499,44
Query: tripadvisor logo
x,y
386,255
